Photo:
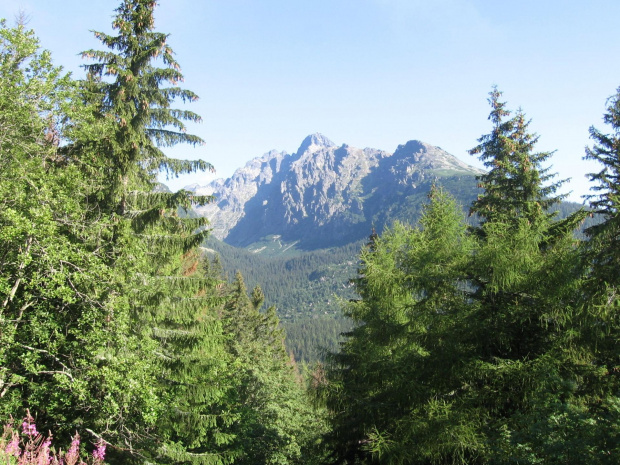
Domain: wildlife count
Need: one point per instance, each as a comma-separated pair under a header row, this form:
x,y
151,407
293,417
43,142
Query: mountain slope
x,y
324,195
294,224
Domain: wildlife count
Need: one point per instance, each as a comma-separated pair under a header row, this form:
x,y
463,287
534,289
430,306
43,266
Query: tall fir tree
x,y
514,206
516,185
276,423
526,282
605,200
170,305
600,316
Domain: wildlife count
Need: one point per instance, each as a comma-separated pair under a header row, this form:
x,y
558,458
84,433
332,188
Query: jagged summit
x,y
313,142
328,194
413,146
427,156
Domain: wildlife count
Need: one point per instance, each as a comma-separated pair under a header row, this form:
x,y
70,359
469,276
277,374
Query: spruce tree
x,y
600,316
170,305
525,298
275,421
516,185
513,210
138,103
606,198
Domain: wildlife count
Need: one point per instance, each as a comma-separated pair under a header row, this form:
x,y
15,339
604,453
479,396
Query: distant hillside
x,y
324,196
294,224
302,286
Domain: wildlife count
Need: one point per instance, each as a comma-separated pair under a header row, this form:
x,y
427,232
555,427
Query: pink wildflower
x,y
28,426
73,455
29,429
12,448
99,452
44,456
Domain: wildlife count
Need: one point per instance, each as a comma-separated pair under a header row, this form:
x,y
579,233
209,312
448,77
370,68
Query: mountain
x,y
325,195
294,224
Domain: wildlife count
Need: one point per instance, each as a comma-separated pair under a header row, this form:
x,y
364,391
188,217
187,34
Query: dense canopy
x,y
491,339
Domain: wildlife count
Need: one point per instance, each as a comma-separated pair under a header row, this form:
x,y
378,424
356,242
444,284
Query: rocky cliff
x,y
327,195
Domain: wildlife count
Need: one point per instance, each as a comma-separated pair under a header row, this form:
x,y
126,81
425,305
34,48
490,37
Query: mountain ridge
x,y
323,194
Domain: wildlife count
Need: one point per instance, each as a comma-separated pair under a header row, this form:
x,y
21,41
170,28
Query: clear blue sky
x,y
370,73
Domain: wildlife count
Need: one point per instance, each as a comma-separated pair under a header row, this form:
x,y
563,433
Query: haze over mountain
x,y
324,195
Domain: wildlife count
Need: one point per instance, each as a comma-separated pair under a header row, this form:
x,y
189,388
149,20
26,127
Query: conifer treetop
x,y
606,150
517,184
137,95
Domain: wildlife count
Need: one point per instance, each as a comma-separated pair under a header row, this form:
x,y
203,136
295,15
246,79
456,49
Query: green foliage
x,y
302,286
396,364
309,340
306,289
604,252
276,421
480,347
59,314
516,185
491,344
537,349
108,324
170,307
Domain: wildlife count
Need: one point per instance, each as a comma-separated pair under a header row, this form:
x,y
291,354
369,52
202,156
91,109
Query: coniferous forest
x,y
488,339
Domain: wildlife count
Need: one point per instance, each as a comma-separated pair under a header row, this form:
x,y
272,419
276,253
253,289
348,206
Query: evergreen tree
x,y
516,185
138,103
514,213
465,341
606,200
170,306
525,297
600,316
390,386
276,423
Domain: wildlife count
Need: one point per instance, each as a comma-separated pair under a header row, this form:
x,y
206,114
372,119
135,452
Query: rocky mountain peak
x,y
314,142
326,194
429,157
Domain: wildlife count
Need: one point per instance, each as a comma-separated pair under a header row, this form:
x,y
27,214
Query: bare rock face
x,y
234,193
322,193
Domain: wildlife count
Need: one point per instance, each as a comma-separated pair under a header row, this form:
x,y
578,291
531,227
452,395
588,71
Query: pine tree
x,y
516,184
463,342
397,362
600,316
525,281
606,200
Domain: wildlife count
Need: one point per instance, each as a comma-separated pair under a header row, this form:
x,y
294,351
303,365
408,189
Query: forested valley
x,y
309,288
483,338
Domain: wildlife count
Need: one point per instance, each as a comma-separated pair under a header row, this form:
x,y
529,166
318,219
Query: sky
x,y
369,73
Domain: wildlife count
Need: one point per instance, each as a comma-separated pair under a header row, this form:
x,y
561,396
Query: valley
x,y
295,224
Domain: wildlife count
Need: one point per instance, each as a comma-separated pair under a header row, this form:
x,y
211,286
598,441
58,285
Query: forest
x,y
309,288
483,339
